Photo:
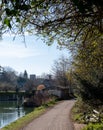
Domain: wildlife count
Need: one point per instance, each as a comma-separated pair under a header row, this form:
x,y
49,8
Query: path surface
x,y
56,118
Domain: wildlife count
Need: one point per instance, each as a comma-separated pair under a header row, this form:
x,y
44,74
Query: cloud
x,y
12,50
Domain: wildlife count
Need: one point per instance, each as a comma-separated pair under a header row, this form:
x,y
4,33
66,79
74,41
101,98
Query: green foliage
x,y
53,20
88,70
7,22
94,127
79,109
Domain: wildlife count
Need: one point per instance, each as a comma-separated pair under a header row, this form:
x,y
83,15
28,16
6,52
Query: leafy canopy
x,y
55,19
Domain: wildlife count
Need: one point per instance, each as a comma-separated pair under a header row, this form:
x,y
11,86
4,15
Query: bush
x,y
94,127
79,109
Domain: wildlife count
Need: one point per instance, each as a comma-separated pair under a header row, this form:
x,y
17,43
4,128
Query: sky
x,y
34,56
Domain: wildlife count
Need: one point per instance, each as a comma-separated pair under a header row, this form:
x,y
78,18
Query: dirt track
x,y
56,118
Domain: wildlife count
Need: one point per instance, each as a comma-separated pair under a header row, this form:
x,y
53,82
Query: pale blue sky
x,y
36,58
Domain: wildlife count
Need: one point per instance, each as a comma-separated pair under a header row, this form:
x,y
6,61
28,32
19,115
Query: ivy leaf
x,y
7,22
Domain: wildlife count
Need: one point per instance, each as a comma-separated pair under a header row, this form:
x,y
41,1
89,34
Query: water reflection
x,y
9,112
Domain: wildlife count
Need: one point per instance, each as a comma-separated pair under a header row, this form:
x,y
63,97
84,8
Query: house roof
x,y
40,87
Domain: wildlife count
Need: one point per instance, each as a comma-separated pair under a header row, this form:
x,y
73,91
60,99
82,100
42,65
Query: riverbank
x,y
20,123
23,121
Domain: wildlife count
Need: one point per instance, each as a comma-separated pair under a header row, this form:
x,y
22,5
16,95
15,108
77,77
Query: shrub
x,y
94,127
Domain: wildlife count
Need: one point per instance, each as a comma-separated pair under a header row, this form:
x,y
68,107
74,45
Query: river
x,y
10,112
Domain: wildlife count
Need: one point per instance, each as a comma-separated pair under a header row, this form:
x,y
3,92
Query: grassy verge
x,y
23,121
77,111
78,116
96,126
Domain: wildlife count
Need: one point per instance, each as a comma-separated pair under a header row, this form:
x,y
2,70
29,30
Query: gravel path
x,y
56,118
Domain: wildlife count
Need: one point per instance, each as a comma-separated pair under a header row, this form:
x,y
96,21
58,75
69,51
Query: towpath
x,y
57,118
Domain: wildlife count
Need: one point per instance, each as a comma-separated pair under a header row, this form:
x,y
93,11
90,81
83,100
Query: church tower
x,y
25,74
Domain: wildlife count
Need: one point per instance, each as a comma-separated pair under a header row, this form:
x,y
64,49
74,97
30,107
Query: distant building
x,y
25,74
49,84
32,77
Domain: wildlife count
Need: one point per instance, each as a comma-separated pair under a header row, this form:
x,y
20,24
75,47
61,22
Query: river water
x,y
10,112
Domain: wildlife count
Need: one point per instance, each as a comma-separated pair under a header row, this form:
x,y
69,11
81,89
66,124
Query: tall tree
x,y
88,68
8,79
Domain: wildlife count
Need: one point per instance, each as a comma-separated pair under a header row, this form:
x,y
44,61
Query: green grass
x,y
23,121
77,112
96,126
78,116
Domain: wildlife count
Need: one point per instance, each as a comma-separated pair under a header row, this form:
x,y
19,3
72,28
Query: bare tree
x,y
60,71
8,79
